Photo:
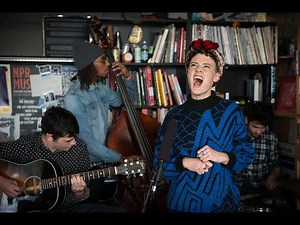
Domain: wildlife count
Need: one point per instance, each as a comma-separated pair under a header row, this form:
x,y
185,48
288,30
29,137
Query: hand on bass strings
x,y
120,69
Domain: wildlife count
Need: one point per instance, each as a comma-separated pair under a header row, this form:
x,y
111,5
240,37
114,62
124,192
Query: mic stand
x,y
156,176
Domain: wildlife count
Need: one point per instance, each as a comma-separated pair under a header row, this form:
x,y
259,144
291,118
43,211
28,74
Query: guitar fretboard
x,y
89,175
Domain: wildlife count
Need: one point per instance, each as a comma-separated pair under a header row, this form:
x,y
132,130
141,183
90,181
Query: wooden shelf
x,y
285,57
284,114
287,125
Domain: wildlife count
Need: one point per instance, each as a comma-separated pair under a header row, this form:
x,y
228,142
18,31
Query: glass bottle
x,y
137,54
117,47
144,52
118,40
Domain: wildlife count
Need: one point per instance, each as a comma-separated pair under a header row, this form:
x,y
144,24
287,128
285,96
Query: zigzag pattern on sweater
x,y
213,191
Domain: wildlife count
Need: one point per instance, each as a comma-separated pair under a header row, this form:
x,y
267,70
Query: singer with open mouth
x,y
210,142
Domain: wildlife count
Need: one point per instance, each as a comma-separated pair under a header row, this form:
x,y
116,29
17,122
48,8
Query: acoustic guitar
x,y
44,185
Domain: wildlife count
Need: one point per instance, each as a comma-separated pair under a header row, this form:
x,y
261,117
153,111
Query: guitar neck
x,y
89,175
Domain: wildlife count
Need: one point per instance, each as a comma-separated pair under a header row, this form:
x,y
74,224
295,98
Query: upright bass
x,y
129,136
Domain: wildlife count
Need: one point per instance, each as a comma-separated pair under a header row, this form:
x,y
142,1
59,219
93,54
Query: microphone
x,y
164,153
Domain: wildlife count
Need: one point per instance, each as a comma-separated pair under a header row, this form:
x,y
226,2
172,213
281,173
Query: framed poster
x,y
25,95
5,90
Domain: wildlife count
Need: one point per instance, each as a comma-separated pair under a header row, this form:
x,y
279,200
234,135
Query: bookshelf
x,y
244,58
124,22
250,51
238,68
151,30
287,124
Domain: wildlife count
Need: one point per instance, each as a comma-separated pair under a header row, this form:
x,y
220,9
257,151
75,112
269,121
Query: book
x,y
149,86
162,46
142,84
169,92
170,44
256,90
261,46
272,84
161,88
296,60
182,37
156,47
157,92
176,46
178,88
174,89
250,89
138,87
258,87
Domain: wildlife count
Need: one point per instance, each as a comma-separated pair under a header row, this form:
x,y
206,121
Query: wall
x,y
22,33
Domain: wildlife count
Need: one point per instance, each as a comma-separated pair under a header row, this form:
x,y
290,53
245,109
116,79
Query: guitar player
x,y
28,165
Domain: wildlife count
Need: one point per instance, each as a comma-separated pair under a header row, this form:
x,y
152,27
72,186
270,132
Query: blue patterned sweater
x,y
215,122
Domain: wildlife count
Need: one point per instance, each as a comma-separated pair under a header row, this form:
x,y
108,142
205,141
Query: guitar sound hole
x,y
32,186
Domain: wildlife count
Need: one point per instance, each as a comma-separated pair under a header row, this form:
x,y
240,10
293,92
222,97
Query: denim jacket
x,y
91,108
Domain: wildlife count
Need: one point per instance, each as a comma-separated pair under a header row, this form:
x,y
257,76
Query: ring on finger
x,y
202,153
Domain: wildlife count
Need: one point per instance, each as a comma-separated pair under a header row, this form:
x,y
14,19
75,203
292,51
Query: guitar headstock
x,y
132,167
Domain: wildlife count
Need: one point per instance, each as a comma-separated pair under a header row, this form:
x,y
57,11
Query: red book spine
x,y
170,97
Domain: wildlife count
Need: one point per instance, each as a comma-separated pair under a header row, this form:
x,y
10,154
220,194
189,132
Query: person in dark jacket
x,y
52,153
263,173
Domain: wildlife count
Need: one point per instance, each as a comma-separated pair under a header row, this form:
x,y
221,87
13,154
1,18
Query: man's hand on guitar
x,y
79,187
9,187
78,184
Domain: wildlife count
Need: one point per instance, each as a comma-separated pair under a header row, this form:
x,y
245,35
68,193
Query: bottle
x,y
291,47
144,52
118,47
137,54
116,53
150,51
118,40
